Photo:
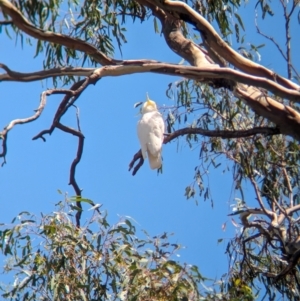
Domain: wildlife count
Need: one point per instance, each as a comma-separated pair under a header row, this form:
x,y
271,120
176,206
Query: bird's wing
x,y
151,135
143,130
156,135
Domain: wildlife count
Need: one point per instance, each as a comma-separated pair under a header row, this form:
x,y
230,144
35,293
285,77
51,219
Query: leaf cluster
x,y
52,259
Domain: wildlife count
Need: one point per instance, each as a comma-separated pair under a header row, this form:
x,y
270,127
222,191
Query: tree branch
x,y
74,164
213,41
208,133
6,22
11,75
69,99
38,112
207,73
285,117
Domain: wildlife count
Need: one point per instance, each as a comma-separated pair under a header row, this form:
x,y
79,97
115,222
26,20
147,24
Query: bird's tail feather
x,y
154,161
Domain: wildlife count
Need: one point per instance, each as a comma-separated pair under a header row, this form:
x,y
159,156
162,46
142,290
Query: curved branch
x,y
215,43
74,164
73,43
187,49
208,133
207,73
293,261
38,112
69,99
285,117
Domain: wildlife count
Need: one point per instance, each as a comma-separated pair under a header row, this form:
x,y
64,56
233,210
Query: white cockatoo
x,y
150,130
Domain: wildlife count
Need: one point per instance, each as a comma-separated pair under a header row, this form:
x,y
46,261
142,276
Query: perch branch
x,y
208,133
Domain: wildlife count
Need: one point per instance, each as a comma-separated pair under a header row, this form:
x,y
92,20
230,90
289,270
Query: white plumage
x,y
150,131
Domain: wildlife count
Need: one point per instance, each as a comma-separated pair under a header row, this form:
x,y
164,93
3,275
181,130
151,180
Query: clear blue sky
x,y
35,170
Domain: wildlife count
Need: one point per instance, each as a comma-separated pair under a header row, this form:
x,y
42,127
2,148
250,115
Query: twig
x,y
286,56
292,263
68,100
77,118
38,112
270,214
288,36
6,22
289,187
244,249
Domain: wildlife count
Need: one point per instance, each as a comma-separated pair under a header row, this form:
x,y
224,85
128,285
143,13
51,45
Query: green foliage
x,y
260,252
51,259
96,22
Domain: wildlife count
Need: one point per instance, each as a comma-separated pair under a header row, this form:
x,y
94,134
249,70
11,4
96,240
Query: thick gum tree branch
x,y
206,73
286,118
171,29
214,42
203,73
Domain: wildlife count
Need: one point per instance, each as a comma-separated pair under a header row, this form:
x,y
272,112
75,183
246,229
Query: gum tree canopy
x,y
227,103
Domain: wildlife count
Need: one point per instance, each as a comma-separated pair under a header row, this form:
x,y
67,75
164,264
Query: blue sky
x,y
35,170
